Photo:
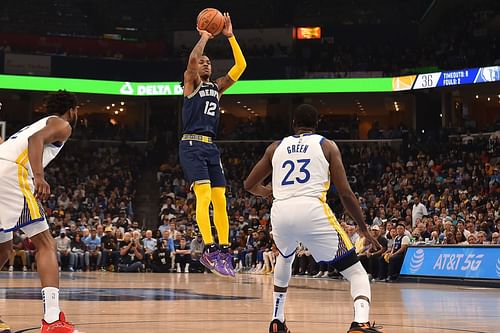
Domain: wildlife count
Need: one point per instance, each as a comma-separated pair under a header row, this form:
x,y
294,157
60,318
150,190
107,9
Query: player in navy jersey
x,y
199,156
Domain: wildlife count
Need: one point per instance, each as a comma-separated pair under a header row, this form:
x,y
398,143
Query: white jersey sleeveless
x,y
300,168
16,147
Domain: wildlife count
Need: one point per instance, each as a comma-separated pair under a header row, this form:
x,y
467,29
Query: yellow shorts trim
x,y
335,224
22,176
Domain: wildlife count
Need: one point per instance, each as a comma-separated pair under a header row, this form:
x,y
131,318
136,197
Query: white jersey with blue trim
x,y
15,149
300,168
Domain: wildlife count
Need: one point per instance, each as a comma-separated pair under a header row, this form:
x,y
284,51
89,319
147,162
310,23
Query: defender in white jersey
x,y
23,158
301,166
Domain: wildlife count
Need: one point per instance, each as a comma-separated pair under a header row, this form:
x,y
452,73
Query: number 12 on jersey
x,y
303,163
210,108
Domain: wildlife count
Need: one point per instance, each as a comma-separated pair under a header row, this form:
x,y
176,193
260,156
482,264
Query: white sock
x,y
279,306
50,296
361,311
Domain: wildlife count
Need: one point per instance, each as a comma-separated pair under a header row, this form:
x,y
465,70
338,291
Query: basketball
x,y
211,20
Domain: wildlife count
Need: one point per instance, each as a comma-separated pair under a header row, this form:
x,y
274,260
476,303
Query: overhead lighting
x,y
489,99
108,107
477,96
113,104
423,131
122,103
245,106
222,111
249,109
121,109
238,102
116,112
441,115
252,112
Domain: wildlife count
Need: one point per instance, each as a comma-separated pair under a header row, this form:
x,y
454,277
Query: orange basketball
x,y
211,20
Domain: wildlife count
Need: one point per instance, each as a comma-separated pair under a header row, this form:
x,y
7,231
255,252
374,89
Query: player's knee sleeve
x,y
221,220
283,271
357,276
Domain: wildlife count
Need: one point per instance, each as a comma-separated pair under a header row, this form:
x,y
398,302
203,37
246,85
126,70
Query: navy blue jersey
x,y
200,111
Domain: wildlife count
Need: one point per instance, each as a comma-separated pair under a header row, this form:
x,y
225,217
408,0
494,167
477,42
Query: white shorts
x,y
19,209
311,222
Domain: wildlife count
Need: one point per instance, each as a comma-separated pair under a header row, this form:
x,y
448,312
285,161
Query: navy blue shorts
x,y
201,161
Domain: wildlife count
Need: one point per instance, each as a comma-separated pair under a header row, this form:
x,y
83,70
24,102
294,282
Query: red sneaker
x,y
59,326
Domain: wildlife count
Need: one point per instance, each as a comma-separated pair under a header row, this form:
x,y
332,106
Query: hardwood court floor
x,y
111,302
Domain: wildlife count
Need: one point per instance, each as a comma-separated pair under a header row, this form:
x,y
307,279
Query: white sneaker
x,y
71,269
25,269
325,275
179,268
186,269
11,268
320,274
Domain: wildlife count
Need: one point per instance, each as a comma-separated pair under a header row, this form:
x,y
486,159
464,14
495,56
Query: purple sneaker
x,y
228,263
214,263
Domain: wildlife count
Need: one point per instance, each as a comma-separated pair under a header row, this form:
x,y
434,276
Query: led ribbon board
x,y
36,83
249,87
447,78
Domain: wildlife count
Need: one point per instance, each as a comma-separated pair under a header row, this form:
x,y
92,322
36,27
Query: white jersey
x,y
300,168
15,149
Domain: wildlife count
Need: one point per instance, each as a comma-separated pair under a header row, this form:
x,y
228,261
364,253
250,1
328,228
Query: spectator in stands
x,y
63,245
373,255
495,239
396,257
304,263
460,238
18,251
182,255
418,211
196,246
118,235
161,258
481,238
150,247
165,224
78,249
472,239
450,239
130,254
93,250
390,262
110,251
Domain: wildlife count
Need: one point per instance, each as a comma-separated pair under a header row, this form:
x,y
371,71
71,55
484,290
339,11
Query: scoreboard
x,y
448,78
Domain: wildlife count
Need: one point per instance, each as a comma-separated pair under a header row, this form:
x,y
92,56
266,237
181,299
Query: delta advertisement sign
x,y
453,261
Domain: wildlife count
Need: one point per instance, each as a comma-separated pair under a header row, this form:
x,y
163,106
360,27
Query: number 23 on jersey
x,y
304,174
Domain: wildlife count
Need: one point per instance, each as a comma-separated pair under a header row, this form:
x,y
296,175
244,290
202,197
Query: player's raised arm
x,y
191,75
56,130
260,172
349,201
239,60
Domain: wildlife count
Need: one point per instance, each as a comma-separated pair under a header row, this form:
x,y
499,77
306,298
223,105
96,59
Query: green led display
x,y
37,83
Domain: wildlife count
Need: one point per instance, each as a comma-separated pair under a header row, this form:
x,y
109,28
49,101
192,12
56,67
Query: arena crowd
x,y
411,192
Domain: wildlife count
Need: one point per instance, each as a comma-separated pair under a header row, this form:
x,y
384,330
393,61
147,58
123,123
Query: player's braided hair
x,y
60,102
